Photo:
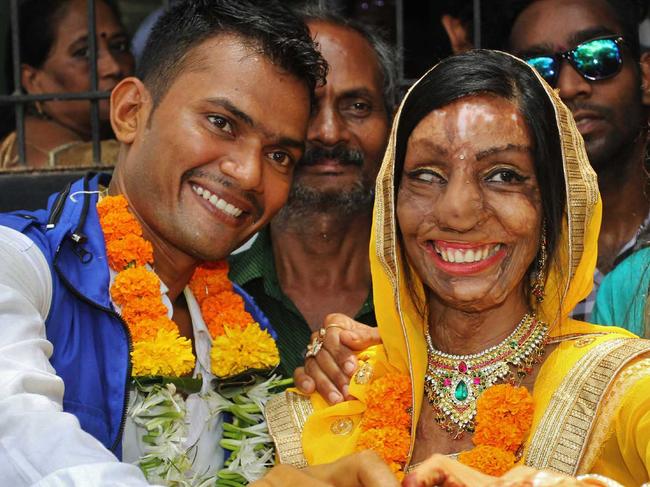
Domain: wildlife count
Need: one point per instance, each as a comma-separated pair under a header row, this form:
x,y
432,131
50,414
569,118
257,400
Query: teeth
x,y
217,202
469,255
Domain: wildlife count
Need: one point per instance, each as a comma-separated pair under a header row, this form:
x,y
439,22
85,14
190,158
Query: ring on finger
x,y
315,346
334,325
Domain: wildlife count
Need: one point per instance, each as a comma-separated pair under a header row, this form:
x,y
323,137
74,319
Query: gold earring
x,y
537,286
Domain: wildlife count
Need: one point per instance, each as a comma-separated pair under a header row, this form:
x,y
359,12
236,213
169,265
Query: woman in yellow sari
x,y
485,227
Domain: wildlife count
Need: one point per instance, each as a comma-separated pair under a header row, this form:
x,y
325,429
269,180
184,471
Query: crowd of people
x,y
457,281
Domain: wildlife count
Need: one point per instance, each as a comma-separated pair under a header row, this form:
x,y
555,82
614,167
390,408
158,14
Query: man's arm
x,y
39,443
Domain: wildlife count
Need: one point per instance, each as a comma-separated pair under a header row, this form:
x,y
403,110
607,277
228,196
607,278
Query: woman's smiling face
x,y
468,206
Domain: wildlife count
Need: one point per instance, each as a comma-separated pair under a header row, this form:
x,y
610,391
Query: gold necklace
x,y
453,383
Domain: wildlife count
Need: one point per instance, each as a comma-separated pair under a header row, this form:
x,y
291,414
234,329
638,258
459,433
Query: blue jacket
x,y
91,342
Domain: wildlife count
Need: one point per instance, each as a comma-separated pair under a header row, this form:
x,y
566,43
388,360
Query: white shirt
x,y
39,443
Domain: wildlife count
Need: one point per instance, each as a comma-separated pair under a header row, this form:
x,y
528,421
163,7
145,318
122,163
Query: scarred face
x,y
212,163
468,204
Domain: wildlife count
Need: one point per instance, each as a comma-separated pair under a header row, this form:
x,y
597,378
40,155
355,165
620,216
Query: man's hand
x,y
364,469
330,371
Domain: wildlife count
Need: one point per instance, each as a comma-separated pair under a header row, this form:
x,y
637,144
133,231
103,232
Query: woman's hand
x,y
440,470
364,469
330,370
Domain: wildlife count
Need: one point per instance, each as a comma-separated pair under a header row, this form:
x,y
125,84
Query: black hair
x,y
267,26
479,72
387,56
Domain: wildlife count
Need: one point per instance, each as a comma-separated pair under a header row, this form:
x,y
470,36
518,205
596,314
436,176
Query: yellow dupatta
x,y
319,433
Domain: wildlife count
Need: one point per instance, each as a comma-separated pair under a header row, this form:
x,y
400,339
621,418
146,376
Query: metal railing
x,y
20,99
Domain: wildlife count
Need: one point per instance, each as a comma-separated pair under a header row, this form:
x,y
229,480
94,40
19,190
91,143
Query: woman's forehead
x,y
471,119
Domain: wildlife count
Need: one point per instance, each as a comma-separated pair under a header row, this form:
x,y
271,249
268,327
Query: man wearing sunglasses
x,y
589,50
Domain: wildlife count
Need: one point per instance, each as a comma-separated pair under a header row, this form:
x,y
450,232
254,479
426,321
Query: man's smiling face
x,y
215,160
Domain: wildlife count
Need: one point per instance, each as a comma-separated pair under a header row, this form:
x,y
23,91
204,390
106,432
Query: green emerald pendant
x,y
461,392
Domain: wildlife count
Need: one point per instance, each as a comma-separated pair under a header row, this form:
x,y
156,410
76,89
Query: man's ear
x,y
130,108
645,77
457,33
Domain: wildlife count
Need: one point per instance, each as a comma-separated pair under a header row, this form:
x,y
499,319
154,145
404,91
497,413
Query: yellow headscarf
x,y
570,276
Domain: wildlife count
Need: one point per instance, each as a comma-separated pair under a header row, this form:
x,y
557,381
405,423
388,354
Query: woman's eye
x,y
221,123
281,158
82,52
426,176
505,176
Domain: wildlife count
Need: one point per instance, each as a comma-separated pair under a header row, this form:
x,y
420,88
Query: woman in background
x,y
55,59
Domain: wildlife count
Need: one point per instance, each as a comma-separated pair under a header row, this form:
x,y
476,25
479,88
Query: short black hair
x,y
483,71
386,54
266,25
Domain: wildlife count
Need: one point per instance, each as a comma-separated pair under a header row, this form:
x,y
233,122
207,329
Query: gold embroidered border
x,y
603,429
561,438
286,415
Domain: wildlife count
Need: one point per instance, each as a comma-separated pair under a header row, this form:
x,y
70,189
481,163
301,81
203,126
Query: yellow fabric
x,y
569,280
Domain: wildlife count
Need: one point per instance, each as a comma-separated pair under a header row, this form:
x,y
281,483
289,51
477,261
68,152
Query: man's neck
x,y
626,204
172,266
322,262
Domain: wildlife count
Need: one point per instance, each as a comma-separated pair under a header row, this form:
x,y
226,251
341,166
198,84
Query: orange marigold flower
x,y
147,329
504,416
134,282
488,459
391,444
144,308
121,253
120,224
212,306
387,402
232,318
209,280
111,204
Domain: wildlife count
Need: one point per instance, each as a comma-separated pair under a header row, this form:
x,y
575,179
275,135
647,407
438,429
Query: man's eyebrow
x,y
590,33
356,92
289,142
576,38
228,105
503,148
248,120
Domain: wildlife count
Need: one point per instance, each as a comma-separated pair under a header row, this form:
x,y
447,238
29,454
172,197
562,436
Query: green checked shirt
x,y
254,270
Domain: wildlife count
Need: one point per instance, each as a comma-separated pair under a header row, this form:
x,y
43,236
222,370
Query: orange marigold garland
x,y
239,343
158,348
386,423
504,416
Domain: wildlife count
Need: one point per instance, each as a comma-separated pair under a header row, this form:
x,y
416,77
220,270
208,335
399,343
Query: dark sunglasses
x,y
596,59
